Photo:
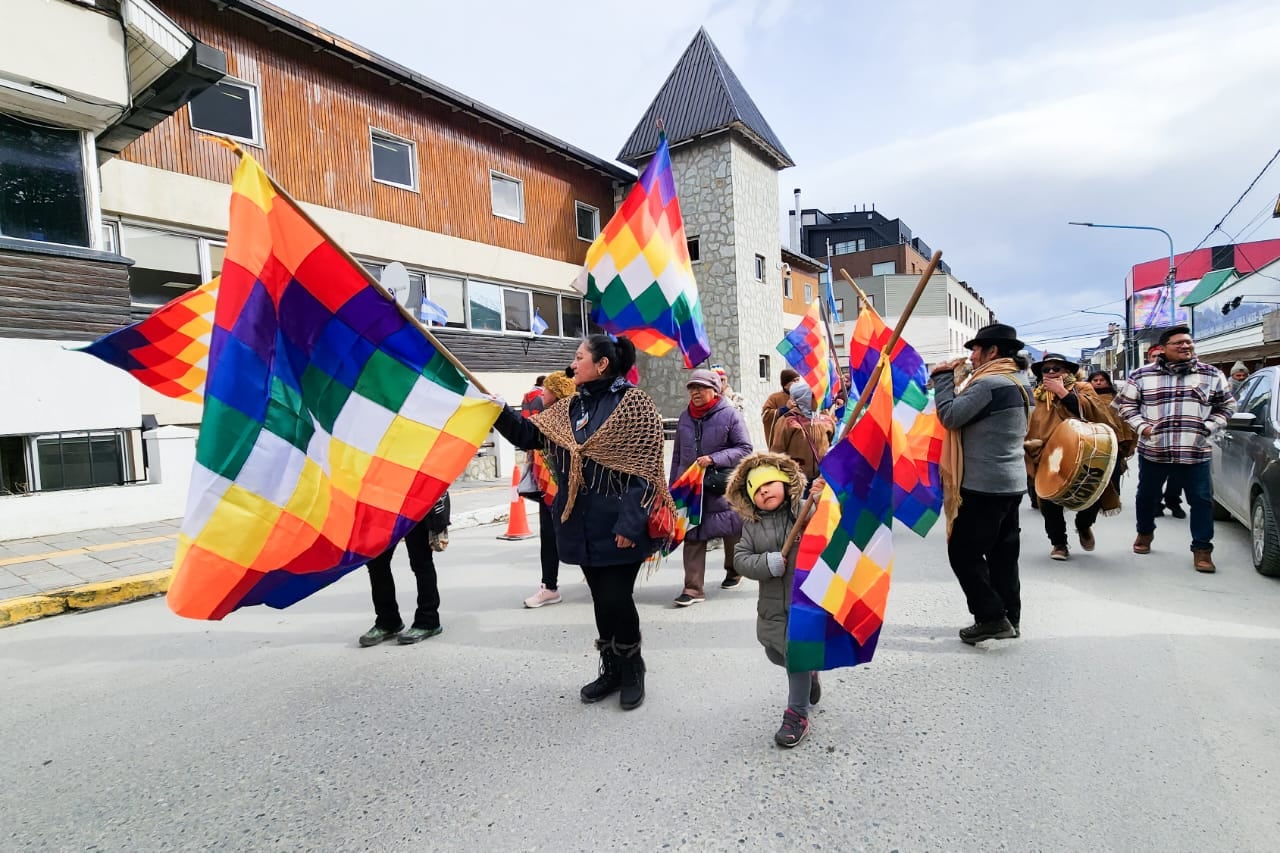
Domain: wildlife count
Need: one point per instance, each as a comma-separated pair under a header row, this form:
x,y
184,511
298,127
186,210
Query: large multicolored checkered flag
x,y
332,422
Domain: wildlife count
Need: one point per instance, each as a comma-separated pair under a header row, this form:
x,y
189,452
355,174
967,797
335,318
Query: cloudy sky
x,y
984,124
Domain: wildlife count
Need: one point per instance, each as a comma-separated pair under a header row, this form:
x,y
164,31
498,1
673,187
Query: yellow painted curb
x,y
87,596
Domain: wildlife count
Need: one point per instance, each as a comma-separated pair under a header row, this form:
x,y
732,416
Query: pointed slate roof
x,y
702,95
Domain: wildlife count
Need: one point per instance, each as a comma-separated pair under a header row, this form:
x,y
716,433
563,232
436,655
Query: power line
x,y
1247,189
1069,313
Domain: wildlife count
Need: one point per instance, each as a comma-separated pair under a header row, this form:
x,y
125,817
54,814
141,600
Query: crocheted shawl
x,y
629,442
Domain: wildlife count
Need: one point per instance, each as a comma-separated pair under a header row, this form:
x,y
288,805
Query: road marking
x,y
88,549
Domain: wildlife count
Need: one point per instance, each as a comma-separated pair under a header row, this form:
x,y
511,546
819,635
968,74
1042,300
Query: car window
x,y
1257,400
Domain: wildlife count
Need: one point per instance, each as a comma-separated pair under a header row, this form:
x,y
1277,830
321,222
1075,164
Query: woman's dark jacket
x,y
610,502
725,439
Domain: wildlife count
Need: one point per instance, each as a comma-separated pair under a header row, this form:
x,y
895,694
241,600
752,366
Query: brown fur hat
x,y
736,490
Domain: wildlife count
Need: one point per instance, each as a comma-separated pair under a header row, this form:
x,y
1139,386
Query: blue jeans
x,y
1194,479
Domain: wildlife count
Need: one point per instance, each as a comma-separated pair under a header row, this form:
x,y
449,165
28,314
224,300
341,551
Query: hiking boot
x,y
631,669
1058,553
731,581
376,635
542,596
1177,511
417,635
815,690
1087,542
1142,545
794,729
610,679
993,629
1202,558
684,599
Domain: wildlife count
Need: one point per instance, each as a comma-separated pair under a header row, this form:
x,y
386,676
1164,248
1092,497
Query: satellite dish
x,y
395,280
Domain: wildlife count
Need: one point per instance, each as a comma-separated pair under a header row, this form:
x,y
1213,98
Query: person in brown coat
x,y
803,435
777,401
1059,396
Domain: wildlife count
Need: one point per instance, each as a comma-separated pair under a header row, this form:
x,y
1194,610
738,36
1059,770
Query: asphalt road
x,y
1138,712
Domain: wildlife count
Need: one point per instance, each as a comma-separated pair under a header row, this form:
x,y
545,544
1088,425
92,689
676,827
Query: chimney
x,y
795,224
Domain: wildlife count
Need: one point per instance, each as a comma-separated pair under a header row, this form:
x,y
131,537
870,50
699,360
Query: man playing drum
x,y
1080,469
983,478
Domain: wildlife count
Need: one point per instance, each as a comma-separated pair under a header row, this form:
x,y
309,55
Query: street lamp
x,y
1170,280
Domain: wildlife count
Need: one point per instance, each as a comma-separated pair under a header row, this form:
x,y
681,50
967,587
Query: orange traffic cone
x,y
517,521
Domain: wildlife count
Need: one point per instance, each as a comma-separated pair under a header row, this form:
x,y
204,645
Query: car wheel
x,y
1266,538
1220,512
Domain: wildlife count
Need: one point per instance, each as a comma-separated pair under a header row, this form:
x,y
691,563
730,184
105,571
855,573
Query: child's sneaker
x,y
793,730
542,596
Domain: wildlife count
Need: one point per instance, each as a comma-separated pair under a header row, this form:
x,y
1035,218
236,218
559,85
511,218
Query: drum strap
x,y
1026,401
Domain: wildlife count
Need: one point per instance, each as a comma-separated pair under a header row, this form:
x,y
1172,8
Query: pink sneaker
x,y
542,596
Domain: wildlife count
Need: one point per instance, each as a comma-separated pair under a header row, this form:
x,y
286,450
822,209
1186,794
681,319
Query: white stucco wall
x,y
48,388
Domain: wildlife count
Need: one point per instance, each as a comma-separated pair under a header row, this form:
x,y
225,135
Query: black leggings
x,y
611,593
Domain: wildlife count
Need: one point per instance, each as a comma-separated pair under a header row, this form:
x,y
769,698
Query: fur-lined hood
x,y
736,490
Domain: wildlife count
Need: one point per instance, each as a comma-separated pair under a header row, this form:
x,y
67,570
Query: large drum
x,y
1076,463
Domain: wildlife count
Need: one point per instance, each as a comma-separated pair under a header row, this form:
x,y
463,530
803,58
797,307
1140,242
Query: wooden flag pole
x,y
865,396
435,342
862,294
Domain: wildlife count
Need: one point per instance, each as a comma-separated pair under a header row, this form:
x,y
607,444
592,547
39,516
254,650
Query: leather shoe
x,y
1142,545
1203,561
1087,542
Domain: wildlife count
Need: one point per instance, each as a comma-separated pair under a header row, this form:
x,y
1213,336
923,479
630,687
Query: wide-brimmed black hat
x,y
1038,367
996,333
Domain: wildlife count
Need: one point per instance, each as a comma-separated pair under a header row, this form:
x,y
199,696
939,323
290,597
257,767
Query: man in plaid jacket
x,y
1175,406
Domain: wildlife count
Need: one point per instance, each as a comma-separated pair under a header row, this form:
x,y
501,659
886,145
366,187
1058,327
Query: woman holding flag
x,y
804,435
712,435
613,510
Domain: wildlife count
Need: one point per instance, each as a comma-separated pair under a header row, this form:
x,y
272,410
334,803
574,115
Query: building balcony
x,y
61,293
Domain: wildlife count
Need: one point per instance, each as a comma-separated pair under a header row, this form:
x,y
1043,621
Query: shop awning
x,y
1209,284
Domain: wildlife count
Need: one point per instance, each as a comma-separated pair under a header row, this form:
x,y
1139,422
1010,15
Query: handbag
x,y
527,487
662,522
715,480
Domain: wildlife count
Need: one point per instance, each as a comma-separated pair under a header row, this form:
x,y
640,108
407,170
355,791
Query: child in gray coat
x,y
767,490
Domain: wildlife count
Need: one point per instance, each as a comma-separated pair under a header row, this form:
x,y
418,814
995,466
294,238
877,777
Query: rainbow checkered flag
x,y
638,276
169,351
845,561
806,351
687,493
332,422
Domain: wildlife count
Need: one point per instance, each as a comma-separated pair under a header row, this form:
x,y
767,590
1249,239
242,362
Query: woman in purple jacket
x,y
712,433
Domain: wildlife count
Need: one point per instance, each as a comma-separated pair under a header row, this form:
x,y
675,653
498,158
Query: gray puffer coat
x,y
763,533
725,439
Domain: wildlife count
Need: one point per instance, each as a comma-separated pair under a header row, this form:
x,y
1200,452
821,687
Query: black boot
x,y
632,666
610,676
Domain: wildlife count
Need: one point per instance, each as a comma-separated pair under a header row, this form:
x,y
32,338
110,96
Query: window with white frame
x,y
65,460
838,337
885,268
507,196
588,219
229,108
449,293
572,312
786,286
848,247
547,306
808,293
517,310
395,160
484,306
759,267
44,192
840,305
167,263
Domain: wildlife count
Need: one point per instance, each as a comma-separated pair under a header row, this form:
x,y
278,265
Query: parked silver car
x,y
1246,468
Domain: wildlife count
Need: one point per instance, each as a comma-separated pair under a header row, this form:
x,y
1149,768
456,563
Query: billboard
x,y
1151,307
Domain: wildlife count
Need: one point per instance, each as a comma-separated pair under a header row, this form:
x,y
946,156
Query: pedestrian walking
x,y
777,402
1172,498
555,386
767,491
712,433
1059,396
984,478
1175,406
613,509
803,434
426,538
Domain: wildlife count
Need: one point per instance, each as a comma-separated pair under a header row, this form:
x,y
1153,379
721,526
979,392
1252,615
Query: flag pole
x,y
862,295
865,397
435,342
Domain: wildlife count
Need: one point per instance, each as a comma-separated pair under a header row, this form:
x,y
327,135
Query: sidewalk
x,y
93,568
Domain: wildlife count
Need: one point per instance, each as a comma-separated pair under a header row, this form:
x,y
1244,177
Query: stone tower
x,y
726,161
